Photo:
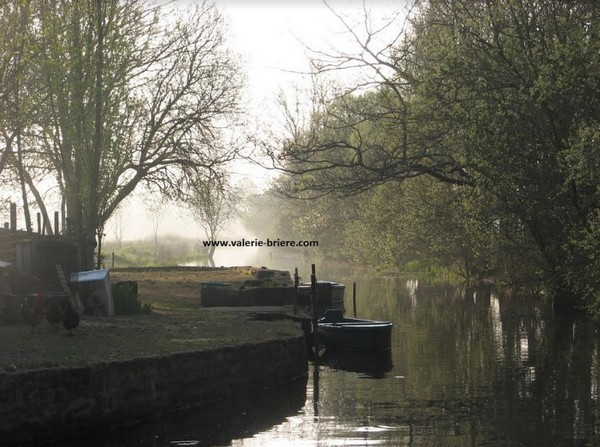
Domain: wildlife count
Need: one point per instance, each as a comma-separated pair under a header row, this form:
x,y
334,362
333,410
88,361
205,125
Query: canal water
x,y
467,368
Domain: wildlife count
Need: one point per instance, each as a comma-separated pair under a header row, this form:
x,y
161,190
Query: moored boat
x,y
353,334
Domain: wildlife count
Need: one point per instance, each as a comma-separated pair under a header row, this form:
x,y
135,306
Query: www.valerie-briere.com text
x,y
260,243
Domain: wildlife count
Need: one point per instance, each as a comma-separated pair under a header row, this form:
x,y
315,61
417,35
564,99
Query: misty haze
x,y
273,223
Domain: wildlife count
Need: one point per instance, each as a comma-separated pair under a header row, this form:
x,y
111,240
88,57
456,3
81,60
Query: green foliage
x,y
513,82
480,151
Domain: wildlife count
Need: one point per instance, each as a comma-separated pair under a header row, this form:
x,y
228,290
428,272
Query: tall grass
x,y
432,272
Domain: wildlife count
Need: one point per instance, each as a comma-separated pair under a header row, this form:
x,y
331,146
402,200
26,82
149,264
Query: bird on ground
x,y
54,314
70,318
31,309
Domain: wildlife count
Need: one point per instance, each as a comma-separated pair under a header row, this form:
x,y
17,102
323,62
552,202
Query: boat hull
x,y
356,335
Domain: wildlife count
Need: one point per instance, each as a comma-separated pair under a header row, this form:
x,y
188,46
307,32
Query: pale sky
x,y
272,38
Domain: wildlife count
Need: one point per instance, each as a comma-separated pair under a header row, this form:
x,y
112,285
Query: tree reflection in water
x,y
467,368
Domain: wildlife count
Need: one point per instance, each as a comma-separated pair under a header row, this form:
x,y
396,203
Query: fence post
x,y
56,223
315,308
13,216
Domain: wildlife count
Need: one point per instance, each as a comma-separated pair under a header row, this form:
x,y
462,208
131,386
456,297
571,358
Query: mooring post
x,y
295,291
314,306
39,222
56,223
113,260
316,391
354,298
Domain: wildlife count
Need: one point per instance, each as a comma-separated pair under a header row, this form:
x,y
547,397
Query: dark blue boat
x,y
352,334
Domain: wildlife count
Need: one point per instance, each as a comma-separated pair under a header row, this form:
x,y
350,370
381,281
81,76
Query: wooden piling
x,y
39,222
56,223
13,216
354,298
314,307
295,291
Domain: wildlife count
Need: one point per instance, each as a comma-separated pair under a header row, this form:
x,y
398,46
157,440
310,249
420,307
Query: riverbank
x,y
121,369
49,403
177,323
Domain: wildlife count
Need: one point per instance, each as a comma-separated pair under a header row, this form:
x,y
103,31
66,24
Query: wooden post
x,y
6,225
295,291
13,216
39,223
314,307
113,260
56,223
354,298
316,390
69,226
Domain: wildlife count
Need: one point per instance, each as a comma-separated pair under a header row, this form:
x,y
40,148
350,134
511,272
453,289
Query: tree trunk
x,y
40,202
99,251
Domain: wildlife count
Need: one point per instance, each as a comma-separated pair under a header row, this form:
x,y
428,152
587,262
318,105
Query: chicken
x,y
54,314
70,318
32,309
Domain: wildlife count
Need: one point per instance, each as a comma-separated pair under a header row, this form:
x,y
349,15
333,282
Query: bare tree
x,y
155,211
118,220
365,134
212,203
130,99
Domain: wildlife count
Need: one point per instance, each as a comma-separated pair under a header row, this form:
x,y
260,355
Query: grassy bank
x,y
167,250
177,323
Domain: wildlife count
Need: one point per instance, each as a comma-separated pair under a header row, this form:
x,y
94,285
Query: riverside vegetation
x,y
473,147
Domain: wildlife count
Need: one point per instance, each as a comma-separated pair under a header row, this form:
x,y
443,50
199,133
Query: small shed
x,y
94,291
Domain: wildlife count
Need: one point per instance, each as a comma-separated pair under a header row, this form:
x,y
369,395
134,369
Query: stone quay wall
x,y
55,402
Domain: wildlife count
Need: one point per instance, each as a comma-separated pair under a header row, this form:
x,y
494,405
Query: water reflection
x,y
467,368
218,424
372,365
